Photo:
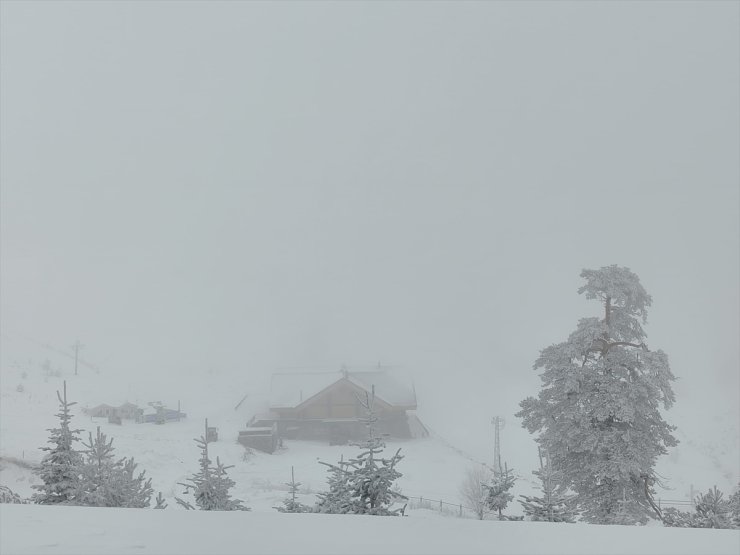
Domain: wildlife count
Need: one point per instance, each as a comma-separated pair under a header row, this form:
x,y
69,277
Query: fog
x,y
241,187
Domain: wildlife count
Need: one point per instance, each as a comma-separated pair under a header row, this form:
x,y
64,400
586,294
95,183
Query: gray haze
x,y
239,187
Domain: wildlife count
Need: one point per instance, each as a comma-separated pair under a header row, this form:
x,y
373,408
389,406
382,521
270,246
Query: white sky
x,y
245,186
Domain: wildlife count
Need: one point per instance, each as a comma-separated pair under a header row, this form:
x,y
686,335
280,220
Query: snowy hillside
x,y
432,469
169,454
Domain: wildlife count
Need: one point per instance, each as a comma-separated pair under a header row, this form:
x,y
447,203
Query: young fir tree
x,y
498,491
364,485
160,501
554,505
211,486
61,467
711,510
598,413
290,504
338,498
135,489
107,482
735,507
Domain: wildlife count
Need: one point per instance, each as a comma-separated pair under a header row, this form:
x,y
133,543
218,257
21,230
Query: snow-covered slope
x,y
39,530
432,468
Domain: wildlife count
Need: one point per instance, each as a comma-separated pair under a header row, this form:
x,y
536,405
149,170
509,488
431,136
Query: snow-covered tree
x,y
107,482
211,486
711,510
554,505
338,498
290,503
61,467
160,501
598,412
135,489
474,492
96,484
7,495
364,484
735,507
498,491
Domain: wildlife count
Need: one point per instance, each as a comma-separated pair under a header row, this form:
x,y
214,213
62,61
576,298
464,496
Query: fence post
x,y
460,509
440,505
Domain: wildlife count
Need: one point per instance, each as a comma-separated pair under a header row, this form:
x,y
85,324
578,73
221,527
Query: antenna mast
x,y
498,423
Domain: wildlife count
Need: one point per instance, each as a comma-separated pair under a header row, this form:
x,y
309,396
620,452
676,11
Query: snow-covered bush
x,y
9,496
473,490
734,501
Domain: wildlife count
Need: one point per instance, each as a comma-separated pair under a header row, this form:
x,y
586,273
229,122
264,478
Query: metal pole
x,y
77,346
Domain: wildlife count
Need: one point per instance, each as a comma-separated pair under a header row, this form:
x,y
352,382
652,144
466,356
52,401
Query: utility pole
x,y
498,423
77,346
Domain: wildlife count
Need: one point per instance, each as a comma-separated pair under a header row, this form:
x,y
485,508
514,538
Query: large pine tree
x,y
598,412
61,467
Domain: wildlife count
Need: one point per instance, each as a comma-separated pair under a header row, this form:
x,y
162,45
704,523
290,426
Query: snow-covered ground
x,y
39,530
432,468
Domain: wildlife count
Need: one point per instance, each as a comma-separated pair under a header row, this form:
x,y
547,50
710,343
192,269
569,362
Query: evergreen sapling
x,y
61,467
498,491
364,484
211,486
553,506
107,482
290,504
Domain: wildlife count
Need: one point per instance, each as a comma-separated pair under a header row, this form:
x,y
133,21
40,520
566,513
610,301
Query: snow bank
x,y
40,530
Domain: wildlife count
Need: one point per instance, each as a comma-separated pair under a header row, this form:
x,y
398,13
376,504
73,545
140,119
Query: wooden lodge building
x,y
327,406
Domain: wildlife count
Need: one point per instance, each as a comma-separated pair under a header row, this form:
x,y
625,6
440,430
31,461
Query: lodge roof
x,y
290,389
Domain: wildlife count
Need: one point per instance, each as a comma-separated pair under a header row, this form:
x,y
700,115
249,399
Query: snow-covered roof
x,y
387,387
289,390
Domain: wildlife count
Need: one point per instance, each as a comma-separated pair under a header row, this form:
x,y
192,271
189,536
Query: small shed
x,y
262,438
164,415
211,434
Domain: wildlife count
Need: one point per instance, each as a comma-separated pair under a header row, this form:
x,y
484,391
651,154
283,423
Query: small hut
x,y
129,411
